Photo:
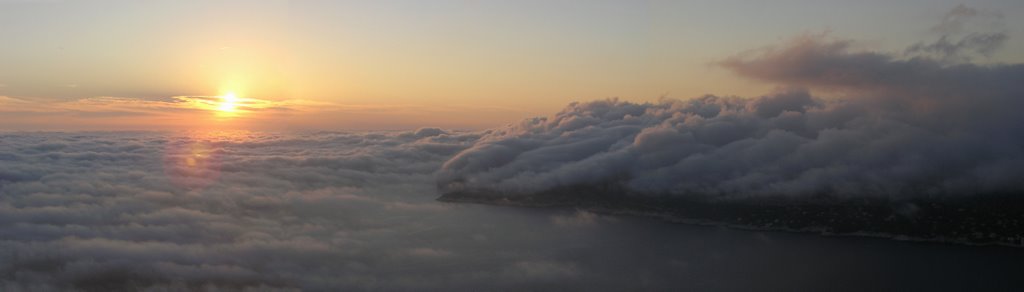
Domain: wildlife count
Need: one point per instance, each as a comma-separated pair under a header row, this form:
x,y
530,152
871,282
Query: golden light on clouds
x,y
192,164
227,102
235,111
230,104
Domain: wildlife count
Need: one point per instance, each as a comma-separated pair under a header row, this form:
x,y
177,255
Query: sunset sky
x,y
511,145
142,65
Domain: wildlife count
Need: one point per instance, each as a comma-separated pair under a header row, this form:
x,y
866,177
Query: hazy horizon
x,y
386,65
468,145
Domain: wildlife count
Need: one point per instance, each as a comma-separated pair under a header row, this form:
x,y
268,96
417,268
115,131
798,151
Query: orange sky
x,y
129,65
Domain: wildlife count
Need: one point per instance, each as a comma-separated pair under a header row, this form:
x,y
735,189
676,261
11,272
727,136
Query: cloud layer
x,y
252,211
235,211
899,128
326,211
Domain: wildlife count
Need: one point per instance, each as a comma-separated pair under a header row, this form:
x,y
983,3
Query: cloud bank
x,y
900,128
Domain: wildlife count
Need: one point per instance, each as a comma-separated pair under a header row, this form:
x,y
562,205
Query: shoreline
x,y
675,217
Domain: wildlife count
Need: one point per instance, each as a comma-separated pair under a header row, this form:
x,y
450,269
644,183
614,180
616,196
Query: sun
x,y
227,102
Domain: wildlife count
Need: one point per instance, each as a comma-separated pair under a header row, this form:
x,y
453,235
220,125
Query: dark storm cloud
x,y
903,128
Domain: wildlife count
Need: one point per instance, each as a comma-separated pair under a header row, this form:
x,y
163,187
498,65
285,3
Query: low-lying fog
x,y
338,211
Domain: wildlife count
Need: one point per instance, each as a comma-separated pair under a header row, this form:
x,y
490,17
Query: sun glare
x,y
227,102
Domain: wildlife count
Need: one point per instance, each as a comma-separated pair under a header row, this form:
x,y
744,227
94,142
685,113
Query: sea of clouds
x,y
259,212
252,211
99,211
325,211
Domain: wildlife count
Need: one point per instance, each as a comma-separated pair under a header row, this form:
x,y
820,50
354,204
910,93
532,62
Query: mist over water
x,y
251,211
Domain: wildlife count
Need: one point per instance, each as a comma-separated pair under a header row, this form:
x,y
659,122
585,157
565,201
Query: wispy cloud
x,y
190,112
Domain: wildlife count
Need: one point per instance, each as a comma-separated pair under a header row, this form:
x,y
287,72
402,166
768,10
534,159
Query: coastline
x,y
1003,236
